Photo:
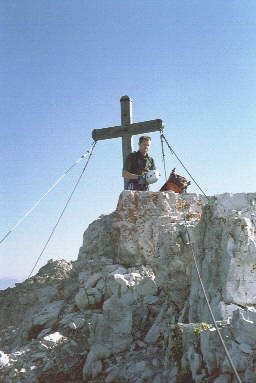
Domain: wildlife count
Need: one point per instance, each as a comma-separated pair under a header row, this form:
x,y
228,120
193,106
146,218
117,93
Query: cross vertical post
x,y
126,119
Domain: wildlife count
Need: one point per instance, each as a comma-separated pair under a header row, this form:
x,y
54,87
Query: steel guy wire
x,y
199,275
63,210
172,151
45,195
163,154
209,307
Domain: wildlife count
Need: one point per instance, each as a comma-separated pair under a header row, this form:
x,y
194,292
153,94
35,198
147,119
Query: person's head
x,y
144,144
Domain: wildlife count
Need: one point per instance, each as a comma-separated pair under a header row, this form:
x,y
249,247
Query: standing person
x,y
137,164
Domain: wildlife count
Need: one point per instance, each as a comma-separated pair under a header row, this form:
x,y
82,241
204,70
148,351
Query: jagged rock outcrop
x,y
226,247
131,308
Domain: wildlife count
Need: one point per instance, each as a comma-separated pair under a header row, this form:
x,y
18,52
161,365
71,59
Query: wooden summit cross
x,y
127,128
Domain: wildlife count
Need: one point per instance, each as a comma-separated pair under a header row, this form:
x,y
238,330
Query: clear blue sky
x,y
64,66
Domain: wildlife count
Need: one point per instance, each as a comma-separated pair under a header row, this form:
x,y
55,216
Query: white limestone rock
x,y
74,321
90,297
115,310
97,242
225,244
135,282
137,219
155,331
4,359
59,269
92,280
244,326
112,333
55,337
49,314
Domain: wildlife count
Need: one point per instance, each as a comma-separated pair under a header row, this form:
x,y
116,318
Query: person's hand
x,y
142,180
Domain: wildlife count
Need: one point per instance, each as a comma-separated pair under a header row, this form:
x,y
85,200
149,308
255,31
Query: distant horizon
x,y
8,282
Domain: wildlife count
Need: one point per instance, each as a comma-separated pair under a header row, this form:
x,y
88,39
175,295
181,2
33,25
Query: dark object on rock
x,y
176,183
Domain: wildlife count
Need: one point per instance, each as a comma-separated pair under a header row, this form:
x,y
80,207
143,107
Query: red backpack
x,y
176,183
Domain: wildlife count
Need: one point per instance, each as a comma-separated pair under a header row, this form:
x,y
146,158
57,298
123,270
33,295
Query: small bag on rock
x,y
176,183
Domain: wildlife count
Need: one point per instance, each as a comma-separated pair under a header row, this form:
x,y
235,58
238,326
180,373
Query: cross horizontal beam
x,y
131,129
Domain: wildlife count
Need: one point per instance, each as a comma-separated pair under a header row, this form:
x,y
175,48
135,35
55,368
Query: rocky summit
x,y
131,308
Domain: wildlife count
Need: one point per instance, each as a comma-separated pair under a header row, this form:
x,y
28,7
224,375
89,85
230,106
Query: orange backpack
x,y
176,183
